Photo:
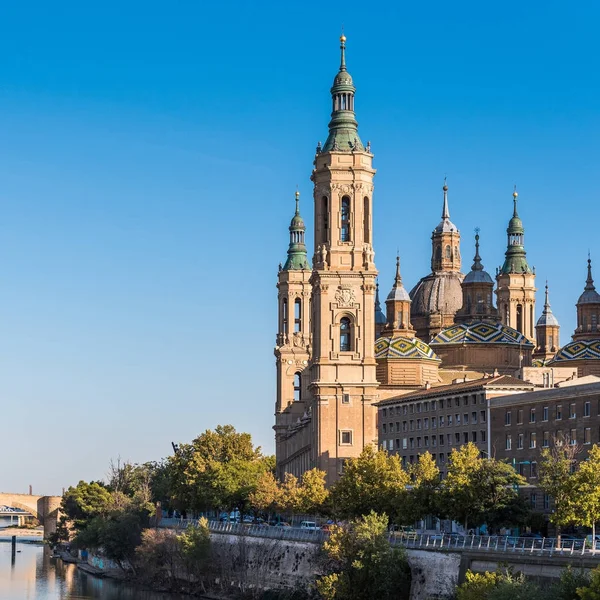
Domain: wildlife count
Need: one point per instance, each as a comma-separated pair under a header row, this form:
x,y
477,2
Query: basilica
x,y
339,353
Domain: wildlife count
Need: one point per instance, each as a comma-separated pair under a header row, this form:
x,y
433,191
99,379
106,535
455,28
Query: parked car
x,y
588,542
282,524
568,542
309,525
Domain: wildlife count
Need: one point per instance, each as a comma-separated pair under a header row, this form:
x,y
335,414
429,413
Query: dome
x,y
398,347
398,293
437,293
579,350
297,222
589,297
547,319
343,78
480,332
445,226
478,277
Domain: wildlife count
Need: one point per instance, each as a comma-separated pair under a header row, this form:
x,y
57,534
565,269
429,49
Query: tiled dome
x,y
480,332
402,347
578,350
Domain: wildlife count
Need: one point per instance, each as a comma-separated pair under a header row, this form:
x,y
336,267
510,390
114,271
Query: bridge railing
x,y
494,543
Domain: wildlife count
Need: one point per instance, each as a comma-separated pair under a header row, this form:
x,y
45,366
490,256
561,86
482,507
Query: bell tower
x,y
516,281
343,382
292,347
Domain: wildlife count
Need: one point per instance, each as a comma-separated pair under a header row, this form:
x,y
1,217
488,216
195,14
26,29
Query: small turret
x,y
398,307
547,331
516,260
588,309
297,258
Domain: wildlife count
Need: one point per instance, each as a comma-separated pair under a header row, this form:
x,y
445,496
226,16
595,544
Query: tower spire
x,y
477,266
297,258
589,282
516,260
398,278
445,211
343,128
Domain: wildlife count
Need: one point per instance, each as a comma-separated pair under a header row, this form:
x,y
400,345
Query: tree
x,y
288,501
218,469
267,494
373,481
586,490
556,479
194,543
361,563
120,535
592,590
312,493
423,497
478,489
85,501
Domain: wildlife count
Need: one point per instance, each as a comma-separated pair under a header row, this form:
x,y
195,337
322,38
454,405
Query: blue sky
x,y
149,155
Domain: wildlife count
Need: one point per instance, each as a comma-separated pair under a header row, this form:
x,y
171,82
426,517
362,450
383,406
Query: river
x,y
35,576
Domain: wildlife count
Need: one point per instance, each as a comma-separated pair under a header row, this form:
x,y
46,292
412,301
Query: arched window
x,y
297,314
297,387
551,342
438,253
468,303
479,303
367,221
325,219
284,316
448,252
456,254
345,332
345,229
520,318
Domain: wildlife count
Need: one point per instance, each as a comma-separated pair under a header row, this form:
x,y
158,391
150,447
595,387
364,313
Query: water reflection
x,y
35,575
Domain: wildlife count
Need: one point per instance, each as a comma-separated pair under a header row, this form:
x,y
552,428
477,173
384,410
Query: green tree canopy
x,y
85,501
373,481
478,489
586,490
361,563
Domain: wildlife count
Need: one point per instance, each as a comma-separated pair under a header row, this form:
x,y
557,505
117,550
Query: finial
x,y
398,278
477,266
445,211
515,196
297,201
589,281
546,301
343,51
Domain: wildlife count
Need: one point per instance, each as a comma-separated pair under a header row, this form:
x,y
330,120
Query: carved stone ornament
x,y
345,297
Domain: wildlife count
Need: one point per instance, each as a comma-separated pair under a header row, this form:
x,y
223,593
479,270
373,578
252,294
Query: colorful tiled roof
x,y
579,350
399,347
480,332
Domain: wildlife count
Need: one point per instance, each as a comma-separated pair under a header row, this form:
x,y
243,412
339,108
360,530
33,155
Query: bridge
x,y
44,508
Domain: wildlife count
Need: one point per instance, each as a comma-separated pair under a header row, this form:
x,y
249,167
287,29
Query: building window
x,y
520,442
508,445
546,501
457,402
482,435
534,469
482,416
465,437
474,437
425,406
533,499
448,253
573,437
346,400
457,438
297,387
587,409
441,420
426,440
466,419
434,440
532,439
284,316
419,407
587,435
418,424
404,426
520,318
546,440
558,412
418,442
520,417
449,438
412,443
345,332
391,427
545,414
412,425
442,405
572,411
404,410
457,419
297,314
404,443
367,220
384,412
325,219
507,417
433,405
345,438
426,423
442,440
532,415
559,439
433,422
384,428
345,229
473,417
449,420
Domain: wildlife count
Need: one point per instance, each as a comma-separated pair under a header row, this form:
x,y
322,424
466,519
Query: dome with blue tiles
x,y
578,350
402,347
480,332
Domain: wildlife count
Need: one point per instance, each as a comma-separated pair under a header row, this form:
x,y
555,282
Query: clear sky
x,y
149,154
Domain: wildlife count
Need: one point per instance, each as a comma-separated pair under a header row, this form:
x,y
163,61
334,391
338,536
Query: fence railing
x,y
424,541
495,543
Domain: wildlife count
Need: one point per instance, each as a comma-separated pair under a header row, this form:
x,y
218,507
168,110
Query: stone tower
x,y
516,281
588,310
437,297
547,332
477,289
292,349
343,381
